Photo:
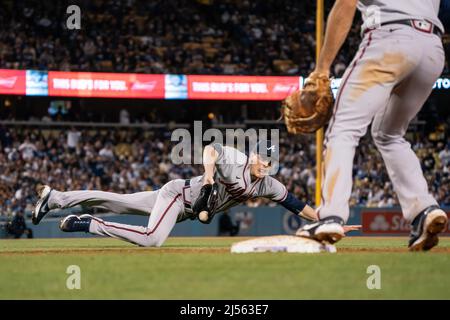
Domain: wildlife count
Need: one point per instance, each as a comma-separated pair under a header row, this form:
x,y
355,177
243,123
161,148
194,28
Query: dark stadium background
x,y
33,36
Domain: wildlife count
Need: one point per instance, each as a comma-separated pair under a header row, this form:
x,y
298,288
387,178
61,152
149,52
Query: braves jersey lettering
x,y
382,11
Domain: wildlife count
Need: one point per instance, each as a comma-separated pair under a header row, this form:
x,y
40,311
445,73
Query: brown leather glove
x,y
207,201
309,109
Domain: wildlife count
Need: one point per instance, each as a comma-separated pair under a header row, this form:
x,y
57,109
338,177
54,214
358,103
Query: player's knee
x,y
159,243
148,241
152,241
382,139
349,137
375,136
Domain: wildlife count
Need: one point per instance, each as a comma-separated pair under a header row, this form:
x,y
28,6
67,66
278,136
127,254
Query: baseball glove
x,y
206,202
309,109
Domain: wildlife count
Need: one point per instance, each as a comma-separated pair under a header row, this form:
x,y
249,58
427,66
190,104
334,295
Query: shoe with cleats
x,y
73,223
329,230
426,227
41,208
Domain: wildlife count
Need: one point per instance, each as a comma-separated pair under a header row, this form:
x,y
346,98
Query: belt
x,y
420,25
187,204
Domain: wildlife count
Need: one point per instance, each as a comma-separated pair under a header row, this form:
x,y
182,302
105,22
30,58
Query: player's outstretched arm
x,y
210,156
339,23
298,207
309,213
305,211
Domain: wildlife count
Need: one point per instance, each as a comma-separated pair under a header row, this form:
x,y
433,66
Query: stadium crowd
x,y
133,160
272,37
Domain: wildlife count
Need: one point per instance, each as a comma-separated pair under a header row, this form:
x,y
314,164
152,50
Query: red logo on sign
x,y
8,82
144,86
12,81
386,222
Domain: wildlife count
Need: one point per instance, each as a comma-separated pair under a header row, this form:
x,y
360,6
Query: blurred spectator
x,y
124,117
444,156
27,149
127,160
17,227
271,37
107,152
73,136
226,226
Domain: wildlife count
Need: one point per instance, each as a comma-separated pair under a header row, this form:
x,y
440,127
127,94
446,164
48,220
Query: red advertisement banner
x,y
12,81
155,86
387,223
105,85
241,87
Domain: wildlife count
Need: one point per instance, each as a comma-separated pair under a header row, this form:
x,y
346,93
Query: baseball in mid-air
x,y
203,216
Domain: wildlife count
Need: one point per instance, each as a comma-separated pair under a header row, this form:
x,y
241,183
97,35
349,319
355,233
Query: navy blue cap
x,y
267,150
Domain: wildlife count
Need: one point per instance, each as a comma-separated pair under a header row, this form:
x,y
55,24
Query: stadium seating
x,y
129,160
166,36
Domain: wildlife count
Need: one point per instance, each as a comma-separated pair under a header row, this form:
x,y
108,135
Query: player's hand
x,y
351,228
208,180
325,72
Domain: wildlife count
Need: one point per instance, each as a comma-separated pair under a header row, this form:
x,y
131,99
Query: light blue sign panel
x,y
37,84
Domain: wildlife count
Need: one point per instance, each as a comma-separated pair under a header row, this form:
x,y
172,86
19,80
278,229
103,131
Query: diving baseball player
x,y
236,177
399,59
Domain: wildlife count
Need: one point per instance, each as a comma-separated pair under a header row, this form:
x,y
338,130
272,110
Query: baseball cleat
x,y
426,227
84,216
73,223
41,208
329,230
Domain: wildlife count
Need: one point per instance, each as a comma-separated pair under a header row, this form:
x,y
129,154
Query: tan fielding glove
x,y
309,109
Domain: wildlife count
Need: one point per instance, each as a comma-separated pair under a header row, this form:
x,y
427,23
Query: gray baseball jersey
x,y
393,10
168,205
235,185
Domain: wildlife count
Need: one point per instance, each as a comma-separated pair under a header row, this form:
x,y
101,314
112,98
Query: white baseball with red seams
x,y
203,216
386,84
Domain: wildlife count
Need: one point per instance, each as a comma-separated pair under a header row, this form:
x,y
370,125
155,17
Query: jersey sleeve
x,y
294,205
274,189
228,155
219,149
278,192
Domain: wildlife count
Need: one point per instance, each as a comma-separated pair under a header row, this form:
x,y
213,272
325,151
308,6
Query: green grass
x,y
203,268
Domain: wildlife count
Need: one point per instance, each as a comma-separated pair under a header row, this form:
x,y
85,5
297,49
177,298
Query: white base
x,y
290,244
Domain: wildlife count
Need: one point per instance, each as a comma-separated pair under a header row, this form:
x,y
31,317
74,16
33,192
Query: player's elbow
x,y
210,155
343,9
348,4
208,149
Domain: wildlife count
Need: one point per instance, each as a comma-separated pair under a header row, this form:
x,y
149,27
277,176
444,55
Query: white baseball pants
x,y
386,84
163,206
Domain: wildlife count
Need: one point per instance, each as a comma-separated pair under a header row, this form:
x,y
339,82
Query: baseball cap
x,y
268,151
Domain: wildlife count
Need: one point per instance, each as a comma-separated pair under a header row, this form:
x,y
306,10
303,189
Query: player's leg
x,y
168,206
140,203
381,62
403,166
388,130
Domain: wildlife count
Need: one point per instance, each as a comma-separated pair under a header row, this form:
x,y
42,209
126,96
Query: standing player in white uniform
x,y
238,177
400,58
